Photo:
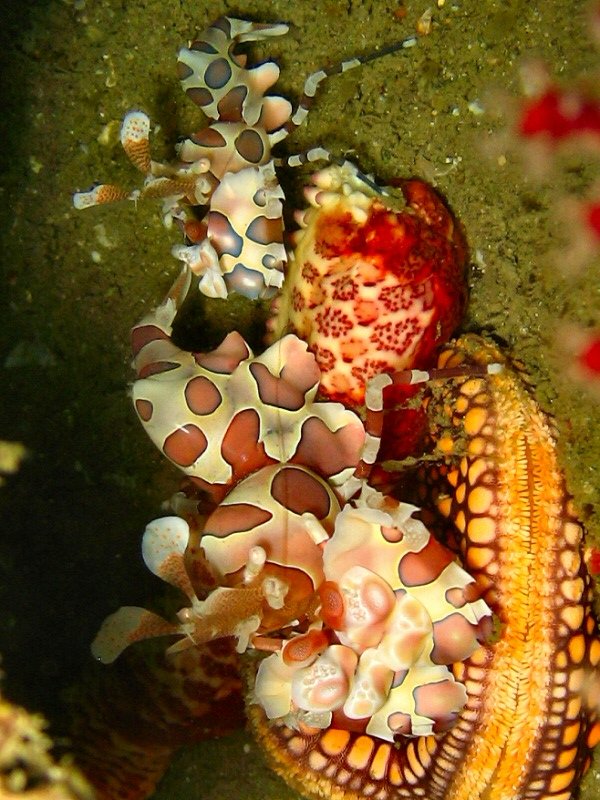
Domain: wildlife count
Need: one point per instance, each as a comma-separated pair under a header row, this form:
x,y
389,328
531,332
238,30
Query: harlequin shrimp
x,y
227,166
363,622
364,609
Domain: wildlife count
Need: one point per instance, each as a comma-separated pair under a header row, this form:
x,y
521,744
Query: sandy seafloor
x,y
75,282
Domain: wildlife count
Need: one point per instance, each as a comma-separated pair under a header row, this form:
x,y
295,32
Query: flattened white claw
x,y
99,195
87,199
135,132
163,547
127,625
273,687
135,127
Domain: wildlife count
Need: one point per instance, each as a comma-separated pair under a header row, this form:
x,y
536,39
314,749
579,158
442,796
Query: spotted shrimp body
x,y
226,167
310,563
220,415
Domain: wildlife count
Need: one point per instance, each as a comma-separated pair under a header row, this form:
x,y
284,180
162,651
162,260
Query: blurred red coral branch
x,y
550,123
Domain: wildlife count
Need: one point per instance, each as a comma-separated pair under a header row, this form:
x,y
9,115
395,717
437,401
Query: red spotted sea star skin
x,y
531,715
371,289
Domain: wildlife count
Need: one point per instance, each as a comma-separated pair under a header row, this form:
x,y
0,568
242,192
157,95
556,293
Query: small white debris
x,y
424,23
479,259
109,134
102,237
476,107
35,165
